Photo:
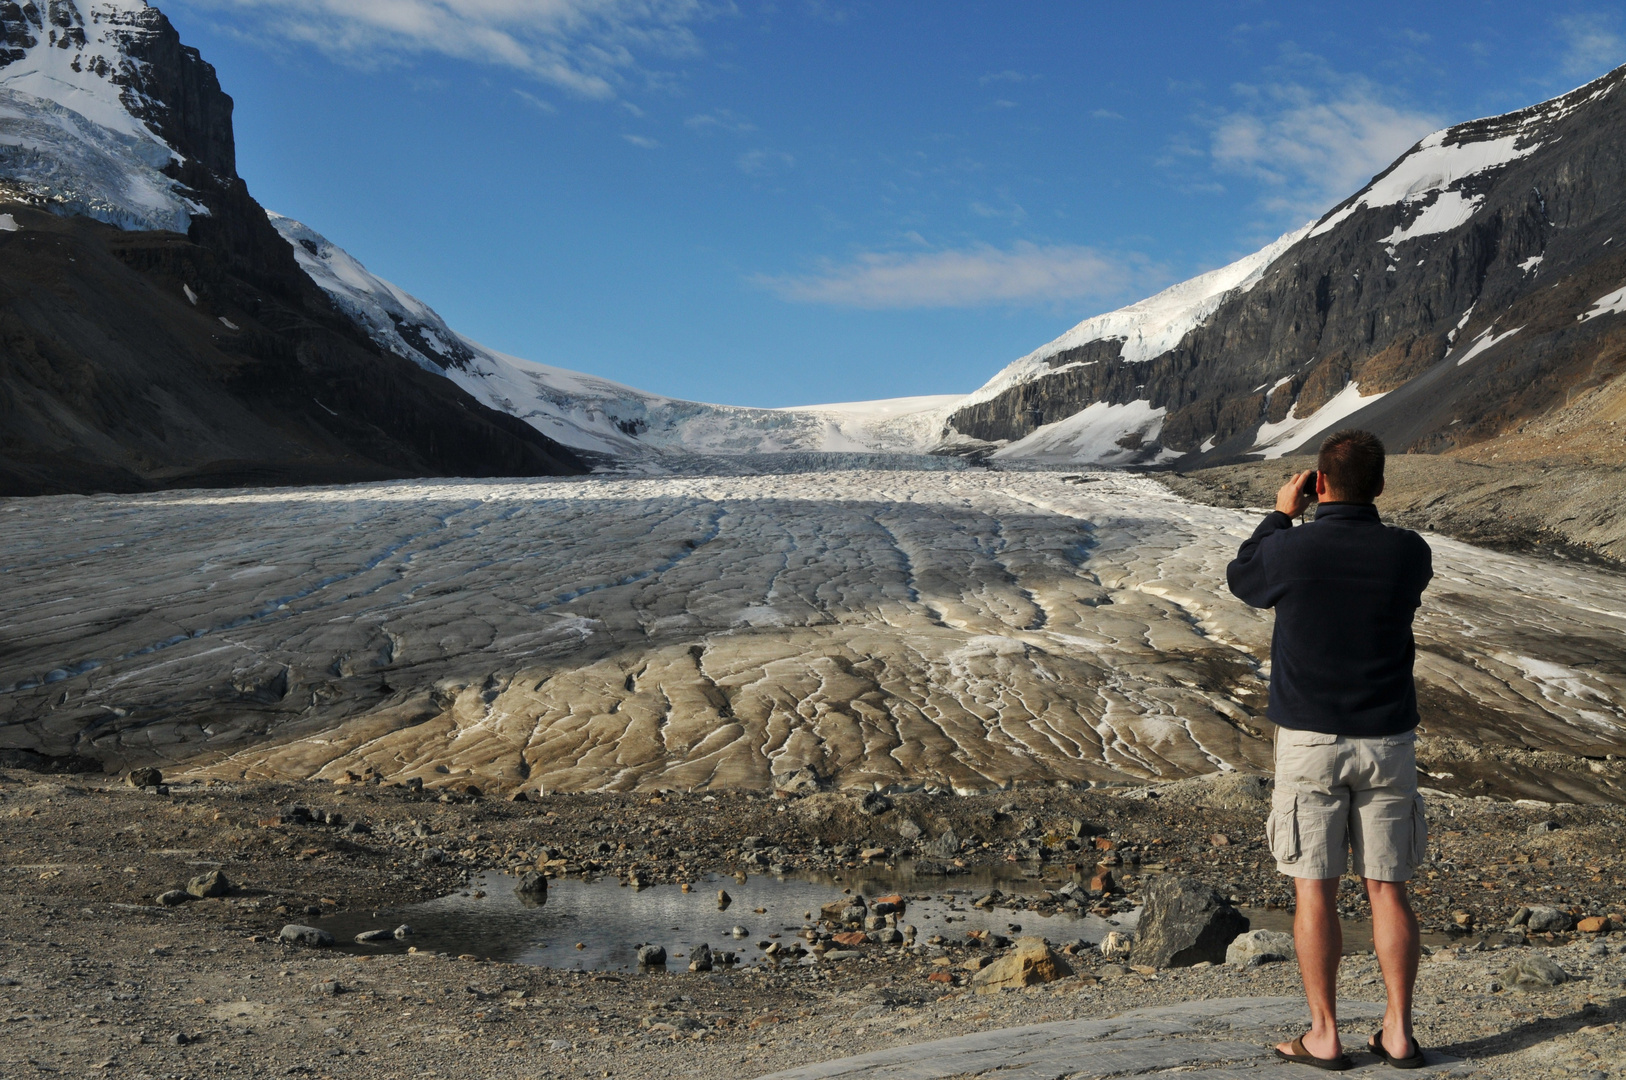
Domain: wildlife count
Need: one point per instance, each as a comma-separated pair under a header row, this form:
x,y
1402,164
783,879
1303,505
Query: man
x,y
1345,589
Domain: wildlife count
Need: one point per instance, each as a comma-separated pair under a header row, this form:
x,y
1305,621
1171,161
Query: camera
x,y
1308,490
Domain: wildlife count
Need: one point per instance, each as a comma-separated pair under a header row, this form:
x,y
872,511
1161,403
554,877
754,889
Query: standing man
x,y
1345,589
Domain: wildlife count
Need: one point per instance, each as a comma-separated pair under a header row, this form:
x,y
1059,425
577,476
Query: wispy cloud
x,y
764,162
642,140
1592,45
720,120
1107,114
539,104
981,276
585,47
1312,143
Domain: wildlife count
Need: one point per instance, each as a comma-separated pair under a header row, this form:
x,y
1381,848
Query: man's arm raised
x,y
1246,574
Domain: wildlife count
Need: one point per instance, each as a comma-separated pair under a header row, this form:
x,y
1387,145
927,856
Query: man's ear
x,y
1321,485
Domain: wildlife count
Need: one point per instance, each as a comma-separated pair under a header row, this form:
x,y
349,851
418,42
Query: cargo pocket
x,y
1282,827
1419,832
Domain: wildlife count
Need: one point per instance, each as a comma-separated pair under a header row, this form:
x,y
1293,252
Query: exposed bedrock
x,y
967,630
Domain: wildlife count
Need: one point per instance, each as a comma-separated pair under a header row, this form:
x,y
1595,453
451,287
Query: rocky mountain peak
x,y
120,64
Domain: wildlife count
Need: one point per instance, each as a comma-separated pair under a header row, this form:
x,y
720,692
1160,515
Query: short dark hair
x,y
1352,462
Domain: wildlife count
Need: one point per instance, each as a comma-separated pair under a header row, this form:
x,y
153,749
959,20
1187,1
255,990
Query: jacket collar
x,y
1347,511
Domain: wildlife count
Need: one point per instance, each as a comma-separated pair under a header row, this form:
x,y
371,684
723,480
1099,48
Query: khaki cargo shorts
x,y
1336,794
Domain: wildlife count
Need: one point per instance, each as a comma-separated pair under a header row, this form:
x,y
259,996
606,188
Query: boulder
x,y
1548,919
1534,972
145,778
1185,922
1260,947
532,889
700,958
295,934
652,956
213,883
1031,962
174,897
367,937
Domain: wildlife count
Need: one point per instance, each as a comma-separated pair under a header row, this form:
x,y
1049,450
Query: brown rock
x,y
1029,963
1597,924
977,963
1219,839
940,977
1103,844
1103,882
850,940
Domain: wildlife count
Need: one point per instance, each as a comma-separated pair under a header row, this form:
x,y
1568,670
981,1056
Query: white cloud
x,y
720,120
1591,45
535,102
642,140
1312,146
585,47
976,277
764,162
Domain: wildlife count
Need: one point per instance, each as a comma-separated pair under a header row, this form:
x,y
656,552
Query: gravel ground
x,y
97,978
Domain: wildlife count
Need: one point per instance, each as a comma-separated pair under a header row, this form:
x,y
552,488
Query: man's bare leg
x,y
1398,945
1318,938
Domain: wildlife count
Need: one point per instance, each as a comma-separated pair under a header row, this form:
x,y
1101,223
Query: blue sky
x,y
793,201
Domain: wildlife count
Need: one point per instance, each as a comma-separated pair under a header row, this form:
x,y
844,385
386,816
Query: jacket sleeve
x,y
1246,574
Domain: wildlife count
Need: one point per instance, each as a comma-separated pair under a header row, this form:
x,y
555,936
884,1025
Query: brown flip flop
x,y
1416,1061
1301,1056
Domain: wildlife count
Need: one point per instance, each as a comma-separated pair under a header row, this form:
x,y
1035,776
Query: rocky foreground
x,y
100,977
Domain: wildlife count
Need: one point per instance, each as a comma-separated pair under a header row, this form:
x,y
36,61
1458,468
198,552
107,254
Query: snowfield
x,y
962,628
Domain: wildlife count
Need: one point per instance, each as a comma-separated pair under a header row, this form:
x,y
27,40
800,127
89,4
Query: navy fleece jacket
x,y
1345,588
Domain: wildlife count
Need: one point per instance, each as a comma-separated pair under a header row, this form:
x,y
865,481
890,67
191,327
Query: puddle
x,y
608,920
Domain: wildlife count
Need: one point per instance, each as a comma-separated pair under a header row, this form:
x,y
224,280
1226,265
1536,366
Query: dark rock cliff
x,y
1354,304
112,379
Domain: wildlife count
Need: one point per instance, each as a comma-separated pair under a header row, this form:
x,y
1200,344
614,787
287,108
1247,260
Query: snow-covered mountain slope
x,y
73,95
1498,234
592,414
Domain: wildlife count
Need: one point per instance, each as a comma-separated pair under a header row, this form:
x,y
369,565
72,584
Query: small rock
x,y
652,956
1548,919
887,936
213,883
174,897
180,1038
295,934
1031,962
1541,827
1596,924
891,904
1534,972
1220,840
532,889
1259,947
723,899
739,932
145,778
1184,921
369,936
327,988
909,829
1117,945
700,958
1103,882
1520,917
875,803
945,846
873,853
403,931
850,940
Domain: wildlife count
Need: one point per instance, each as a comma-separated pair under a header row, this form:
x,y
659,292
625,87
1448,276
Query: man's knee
x,y
1391,893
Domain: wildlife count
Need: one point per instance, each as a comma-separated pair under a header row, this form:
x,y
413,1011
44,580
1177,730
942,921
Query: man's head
x,y
1351,466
